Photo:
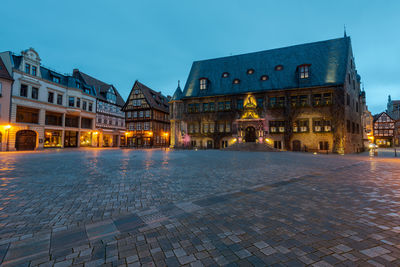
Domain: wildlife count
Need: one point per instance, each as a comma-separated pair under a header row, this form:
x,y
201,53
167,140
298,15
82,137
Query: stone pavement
x,y
198,208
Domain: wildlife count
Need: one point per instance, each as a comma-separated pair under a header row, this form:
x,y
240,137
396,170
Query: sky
x,y
156,41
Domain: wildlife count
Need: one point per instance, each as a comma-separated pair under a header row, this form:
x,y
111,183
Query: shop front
x,y
86,139
71,139
52,139
107,140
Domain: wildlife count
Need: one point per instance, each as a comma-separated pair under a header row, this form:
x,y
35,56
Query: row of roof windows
x,y
303,73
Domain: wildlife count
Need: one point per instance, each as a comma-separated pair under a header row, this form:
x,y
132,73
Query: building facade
x,y
48,109
384,130
393,110
147,117
110,119
6,82
301,98
367,123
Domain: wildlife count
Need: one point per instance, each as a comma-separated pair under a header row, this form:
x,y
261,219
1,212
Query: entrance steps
x,y
251,147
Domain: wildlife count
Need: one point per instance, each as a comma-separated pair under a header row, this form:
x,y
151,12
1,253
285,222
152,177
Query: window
x,y
71,101
59,99
220,106
136,92
53,119
141,114
86,123
56,79
146,126
357,106
203,83
27,68
225,75
236,81
250,71
278,144
34,70
24,90
353,128
260,102
111,97
348,100
205,107
239,104
78,102
35,92
212,127
279,67
212,106
228,127
303,100
304,71
205,128
228,105
301,126
196,107
327,98
221,127
50,97
264,78
348,126
147,113
135,114
277,101
84,104
277,126
317,100
78,85
27,115
1,89
90,107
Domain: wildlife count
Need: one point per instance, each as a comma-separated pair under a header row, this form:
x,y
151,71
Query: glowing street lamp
x,y
8,127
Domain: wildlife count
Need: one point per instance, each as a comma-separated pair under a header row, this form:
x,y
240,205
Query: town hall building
x,y
302,98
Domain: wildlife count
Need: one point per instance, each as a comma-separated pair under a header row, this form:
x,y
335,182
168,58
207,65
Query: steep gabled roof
x,y
377,116
4,72
100,86
155,99
327,60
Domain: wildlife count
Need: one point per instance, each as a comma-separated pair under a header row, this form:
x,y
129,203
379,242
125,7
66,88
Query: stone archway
x,y
250,134
25,140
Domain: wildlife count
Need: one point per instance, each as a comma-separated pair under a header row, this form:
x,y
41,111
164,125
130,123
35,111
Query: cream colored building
x,y
48,109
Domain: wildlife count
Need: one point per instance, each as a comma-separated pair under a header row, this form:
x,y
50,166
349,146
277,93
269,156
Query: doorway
x,y
25,140
296,145
250,134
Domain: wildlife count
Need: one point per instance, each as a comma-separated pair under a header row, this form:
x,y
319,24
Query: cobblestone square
x,y
113,207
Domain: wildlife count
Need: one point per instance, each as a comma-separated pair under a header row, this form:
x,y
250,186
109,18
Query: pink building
x,y
5,100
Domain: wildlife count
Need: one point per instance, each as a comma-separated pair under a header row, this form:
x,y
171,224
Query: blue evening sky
x,y
157,41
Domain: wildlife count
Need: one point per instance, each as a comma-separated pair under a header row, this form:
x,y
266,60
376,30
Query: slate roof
x,y
4,72
377,116
328,60
155,99
101,87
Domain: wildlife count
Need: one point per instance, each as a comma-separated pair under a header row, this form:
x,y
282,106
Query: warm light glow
x,y
166,134
7,127
95,133
149,133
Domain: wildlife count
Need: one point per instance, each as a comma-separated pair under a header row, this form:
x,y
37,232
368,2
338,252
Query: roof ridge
x,y
273,49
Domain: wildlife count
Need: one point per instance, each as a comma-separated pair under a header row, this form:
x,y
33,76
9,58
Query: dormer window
x,y
250,71
78,85
279,67
56,79
225,75
111,97
27,68
236,81
203,83
136,92
304,71
264,78
34,70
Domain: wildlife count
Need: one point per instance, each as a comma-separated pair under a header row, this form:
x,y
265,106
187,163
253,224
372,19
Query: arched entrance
x,y
296,145
250,134
25,140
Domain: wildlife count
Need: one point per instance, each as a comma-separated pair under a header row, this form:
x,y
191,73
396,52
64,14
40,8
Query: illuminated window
x,y
225,75
304,71
203,83
264,78
250,71
279,67
236,81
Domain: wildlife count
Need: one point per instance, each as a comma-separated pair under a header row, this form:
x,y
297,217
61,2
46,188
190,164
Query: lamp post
x,y
8,127
166,140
